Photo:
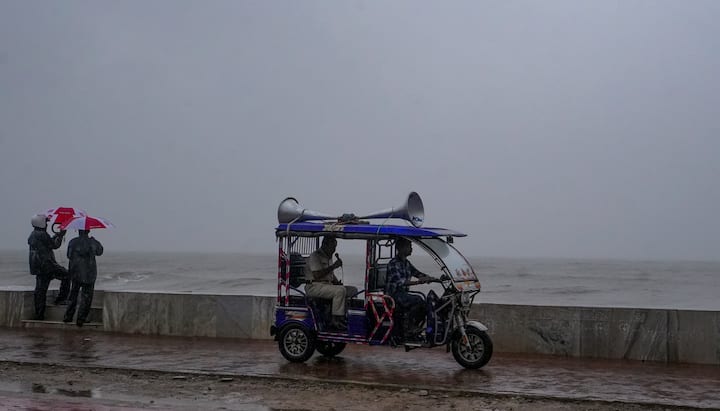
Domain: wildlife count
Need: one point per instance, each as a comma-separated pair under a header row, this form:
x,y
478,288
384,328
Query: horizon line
x,y
519,257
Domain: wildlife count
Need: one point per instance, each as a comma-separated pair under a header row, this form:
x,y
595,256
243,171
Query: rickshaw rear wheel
x,y
480,350
296,343
330,348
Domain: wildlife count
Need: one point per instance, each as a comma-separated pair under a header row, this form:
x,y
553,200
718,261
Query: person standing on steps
x,y
43,265
81,252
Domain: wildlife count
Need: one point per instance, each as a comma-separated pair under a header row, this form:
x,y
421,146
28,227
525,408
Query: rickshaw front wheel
x,y
296,343
330,348
479,352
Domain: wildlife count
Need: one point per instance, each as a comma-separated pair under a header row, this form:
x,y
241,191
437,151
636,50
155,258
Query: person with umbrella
x,y
43,265
81,253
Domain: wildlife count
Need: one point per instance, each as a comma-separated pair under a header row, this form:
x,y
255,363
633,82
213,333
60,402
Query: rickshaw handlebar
x,y
426,281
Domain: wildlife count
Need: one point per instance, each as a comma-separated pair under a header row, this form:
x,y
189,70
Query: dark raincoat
x,y
81,252
42,257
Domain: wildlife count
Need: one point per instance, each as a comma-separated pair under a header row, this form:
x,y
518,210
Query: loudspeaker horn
x,y
290,211
412,210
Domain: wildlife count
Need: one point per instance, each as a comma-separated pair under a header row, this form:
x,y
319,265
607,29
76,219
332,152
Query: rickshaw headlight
x,y
465,299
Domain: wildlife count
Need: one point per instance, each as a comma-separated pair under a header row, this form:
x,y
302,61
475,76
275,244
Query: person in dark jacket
x,y
83,271
43,265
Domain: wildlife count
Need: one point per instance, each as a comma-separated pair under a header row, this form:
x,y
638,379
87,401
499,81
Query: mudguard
x,y
477,324
279,330
456,333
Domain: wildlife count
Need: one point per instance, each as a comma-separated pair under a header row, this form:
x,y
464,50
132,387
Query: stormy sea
x,y
537,281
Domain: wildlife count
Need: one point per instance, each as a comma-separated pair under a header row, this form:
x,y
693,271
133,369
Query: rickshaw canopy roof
x,y
361,231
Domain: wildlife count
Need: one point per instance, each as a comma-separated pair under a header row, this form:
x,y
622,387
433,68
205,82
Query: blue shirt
x,y
399,272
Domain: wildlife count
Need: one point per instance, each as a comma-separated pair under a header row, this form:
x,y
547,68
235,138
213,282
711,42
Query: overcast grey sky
x,y
540,128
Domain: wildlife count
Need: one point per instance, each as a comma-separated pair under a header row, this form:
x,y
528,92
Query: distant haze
x,y
539,128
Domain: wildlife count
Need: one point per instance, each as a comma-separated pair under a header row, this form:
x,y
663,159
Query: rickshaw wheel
x,y
330,348
296,343
480,350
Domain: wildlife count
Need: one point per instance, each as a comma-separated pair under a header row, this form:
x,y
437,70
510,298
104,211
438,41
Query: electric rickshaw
x,y
301,323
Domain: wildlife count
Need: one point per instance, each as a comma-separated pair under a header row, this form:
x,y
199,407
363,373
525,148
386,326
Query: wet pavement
x,y
537,376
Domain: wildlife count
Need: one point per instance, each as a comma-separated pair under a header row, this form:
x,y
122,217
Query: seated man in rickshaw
x,y
408,307
322,283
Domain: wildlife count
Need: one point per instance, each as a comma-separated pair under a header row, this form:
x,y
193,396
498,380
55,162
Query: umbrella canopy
x,y
61,215
86,223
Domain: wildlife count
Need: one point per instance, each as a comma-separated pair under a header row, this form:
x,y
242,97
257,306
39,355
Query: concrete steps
x,y
98,296
54,314
57,313
60,325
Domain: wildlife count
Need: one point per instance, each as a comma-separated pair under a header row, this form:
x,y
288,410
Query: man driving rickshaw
x,y
409,307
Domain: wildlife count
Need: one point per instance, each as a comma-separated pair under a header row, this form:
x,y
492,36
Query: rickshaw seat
x,y
297,270
297,300
377,276
318,301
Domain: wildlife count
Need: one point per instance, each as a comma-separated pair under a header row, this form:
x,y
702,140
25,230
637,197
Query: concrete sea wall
x,y
232,316
677,336
13,308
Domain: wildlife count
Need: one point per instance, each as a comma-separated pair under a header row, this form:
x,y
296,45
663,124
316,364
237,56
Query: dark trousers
x,y
85,301
409,312
42,282
61,273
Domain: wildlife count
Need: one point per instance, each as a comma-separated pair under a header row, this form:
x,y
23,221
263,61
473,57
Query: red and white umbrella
x,y
86,223
61,215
